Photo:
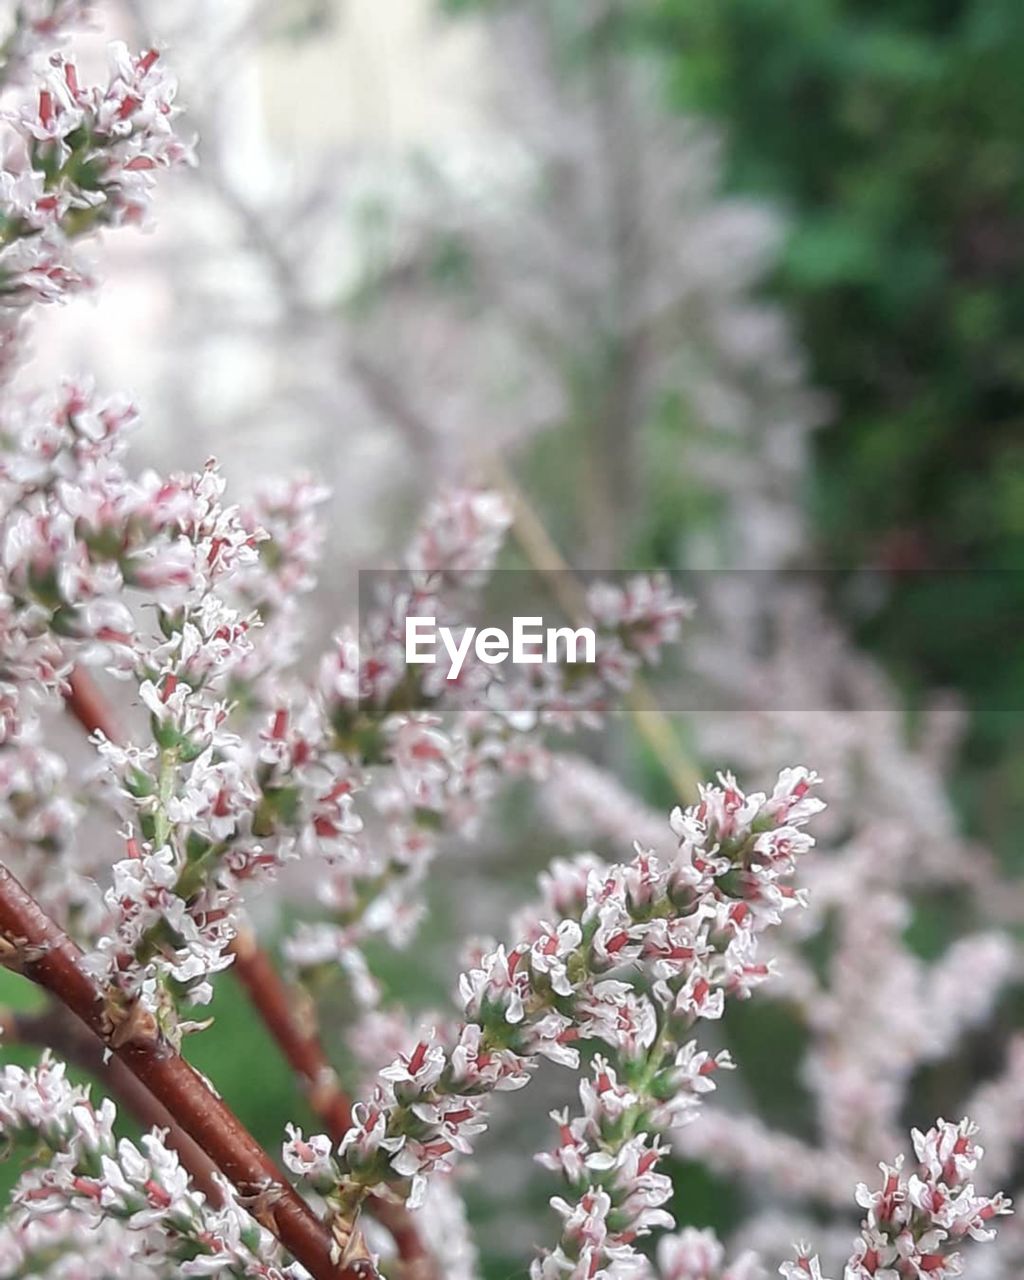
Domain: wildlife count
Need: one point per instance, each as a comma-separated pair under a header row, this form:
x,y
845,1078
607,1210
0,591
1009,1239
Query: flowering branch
x,y
641,951
293,1026
89,155
56,1029
34,945
737,856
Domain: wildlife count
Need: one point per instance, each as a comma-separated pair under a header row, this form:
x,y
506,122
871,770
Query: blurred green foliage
x,y
890,134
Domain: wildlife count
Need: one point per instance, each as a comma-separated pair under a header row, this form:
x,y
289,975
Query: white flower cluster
x,y
737,855
137,1196
914,1224
78,158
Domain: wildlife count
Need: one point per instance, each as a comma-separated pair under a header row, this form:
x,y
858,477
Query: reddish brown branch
x,y
36,946
56,1029
289,1018
89,707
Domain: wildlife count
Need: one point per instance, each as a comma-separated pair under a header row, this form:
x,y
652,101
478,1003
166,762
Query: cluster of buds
x,y
78,158
699,1255
79,532
37,27
693,928
72,530
915,1225
138,1196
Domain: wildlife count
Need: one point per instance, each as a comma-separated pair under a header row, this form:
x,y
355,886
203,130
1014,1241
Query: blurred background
x,y
715,284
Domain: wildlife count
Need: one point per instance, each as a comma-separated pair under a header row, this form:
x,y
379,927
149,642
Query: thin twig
x,y
290,1018
543,555
89,707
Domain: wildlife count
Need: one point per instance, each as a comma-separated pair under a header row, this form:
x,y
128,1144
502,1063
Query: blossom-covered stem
x,y
613,953
295,1031
55,1029
32,944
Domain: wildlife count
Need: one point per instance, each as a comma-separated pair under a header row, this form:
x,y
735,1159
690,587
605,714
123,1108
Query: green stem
x,y
166,778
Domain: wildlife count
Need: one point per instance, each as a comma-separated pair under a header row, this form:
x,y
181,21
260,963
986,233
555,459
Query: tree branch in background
x,y
89,707
290,1018
543,555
